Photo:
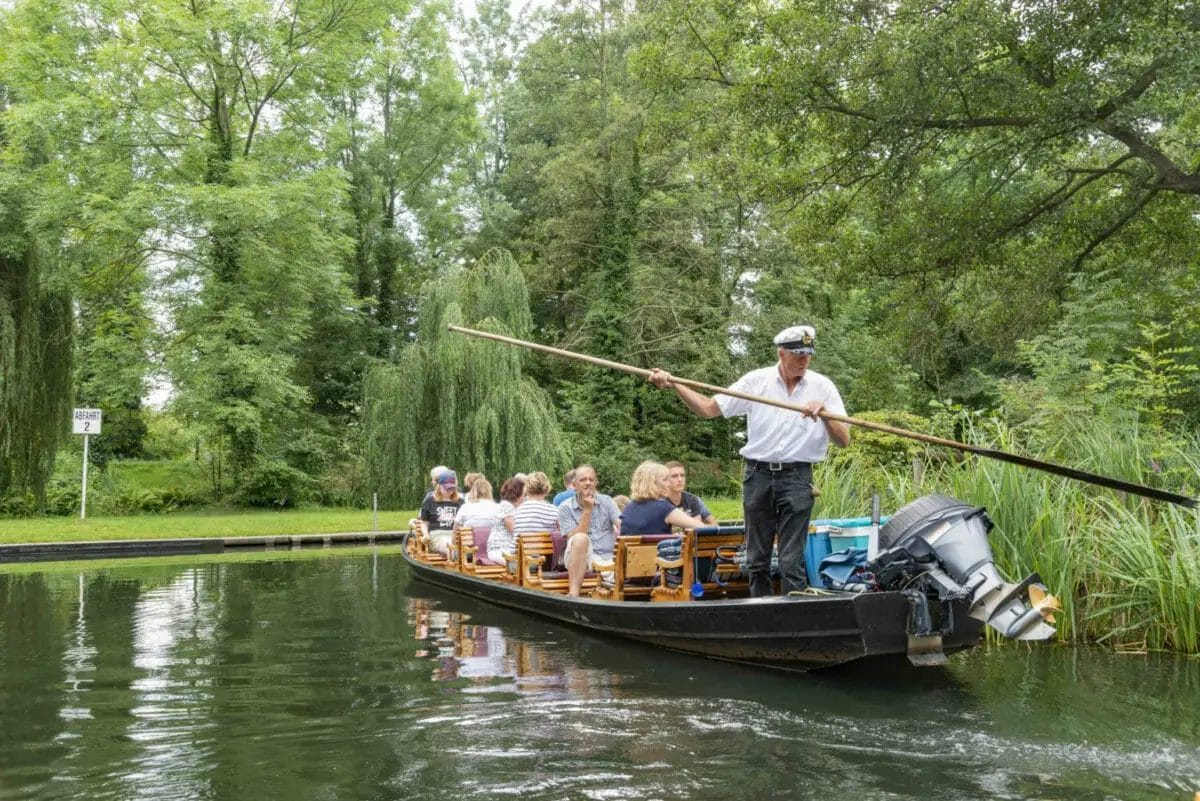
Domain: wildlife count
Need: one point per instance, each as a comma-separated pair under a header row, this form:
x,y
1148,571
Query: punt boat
x,y
928,590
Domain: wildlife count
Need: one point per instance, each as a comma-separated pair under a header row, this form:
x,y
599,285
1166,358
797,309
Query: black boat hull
x,y
796,633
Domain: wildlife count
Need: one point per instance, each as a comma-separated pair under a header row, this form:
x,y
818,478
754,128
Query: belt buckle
x,y
774,467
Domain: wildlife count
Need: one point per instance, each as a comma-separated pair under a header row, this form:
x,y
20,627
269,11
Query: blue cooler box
x,y
830,536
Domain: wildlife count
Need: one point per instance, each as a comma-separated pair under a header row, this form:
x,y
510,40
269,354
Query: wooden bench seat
x,y
419,547
534,552
639,573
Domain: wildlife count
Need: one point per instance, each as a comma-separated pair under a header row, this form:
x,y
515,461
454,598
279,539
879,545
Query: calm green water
x,y
335,676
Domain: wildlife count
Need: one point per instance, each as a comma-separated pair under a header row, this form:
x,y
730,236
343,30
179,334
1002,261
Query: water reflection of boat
x,y
479,653
941,587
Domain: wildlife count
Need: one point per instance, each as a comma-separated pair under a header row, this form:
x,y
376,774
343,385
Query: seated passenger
x,y
650,512
591,522
681,499
469,481
438,511
621,501
502,539
568,488
479,510
535,514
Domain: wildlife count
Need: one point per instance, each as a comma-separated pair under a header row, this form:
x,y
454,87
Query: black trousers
x,y
776,502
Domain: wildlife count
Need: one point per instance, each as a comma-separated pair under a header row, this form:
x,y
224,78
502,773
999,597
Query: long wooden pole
x,y
990,453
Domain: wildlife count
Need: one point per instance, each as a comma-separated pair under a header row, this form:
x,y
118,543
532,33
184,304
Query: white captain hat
x,y
798,339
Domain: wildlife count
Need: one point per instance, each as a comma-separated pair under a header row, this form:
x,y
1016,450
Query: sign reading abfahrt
x,y
86,421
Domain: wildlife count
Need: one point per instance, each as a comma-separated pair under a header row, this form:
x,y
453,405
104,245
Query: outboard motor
x,y
941,543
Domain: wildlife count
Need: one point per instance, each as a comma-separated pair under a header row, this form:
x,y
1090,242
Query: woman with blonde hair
x,y
468,482
480,509
650,512
536,513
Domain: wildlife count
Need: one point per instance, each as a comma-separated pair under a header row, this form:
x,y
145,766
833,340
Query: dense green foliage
x,y
989,211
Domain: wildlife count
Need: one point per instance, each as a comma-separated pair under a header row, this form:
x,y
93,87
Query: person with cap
x,y
433,480
781,447
438,511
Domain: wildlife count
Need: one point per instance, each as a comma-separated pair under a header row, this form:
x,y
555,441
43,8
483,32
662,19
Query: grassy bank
x,y
214,523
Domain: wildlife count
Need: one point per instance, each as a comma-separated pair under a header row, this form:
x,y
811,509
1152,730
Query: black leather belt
x,y
776,467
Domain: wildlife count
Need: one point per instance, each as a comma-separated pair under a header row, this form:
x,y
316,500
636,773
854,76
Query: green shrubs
x,y
19,505
274,485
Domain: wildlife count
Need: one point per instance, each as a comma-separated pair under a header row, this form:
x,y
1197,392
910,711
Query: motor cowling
x,y
942,543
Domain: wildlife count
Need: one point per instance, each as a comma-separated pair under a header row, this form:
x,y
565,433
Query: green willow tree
x,y
36,328
456,400
44,115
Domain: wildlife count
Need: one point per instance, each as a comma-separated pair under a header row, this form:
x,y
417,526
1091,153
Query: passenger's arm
x,y
682,519
423,519
585,520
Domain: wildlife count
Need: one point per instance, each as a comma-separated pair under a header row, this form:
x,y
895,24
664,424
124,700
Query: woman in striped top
x,y
536,514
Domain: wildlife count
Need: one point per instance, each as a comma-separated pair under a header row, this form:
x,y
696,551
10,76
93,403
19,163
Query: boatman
x,y
781,447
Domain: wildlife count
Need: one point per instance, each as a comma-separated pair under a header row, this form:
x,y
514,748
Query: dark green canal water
x,y
336,676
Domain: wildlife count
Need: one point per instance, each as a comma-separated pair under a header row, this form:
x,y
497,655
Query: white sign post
x,y
86,422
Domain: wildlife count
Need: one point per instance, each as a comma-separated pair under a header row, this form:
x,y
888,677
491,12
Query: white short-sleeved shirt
x,y
781,435
479,513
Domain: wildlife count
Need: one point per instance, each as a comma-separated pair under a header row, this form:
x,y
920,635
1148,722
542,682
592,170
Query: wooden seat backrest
x,y
635,557
534,551
706,549
533,548
467,557
419,547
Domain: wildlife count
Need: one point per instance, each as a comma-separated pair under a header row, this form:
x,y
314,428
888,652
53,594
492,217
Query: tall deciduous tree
x,y
965,161
226,112
630,252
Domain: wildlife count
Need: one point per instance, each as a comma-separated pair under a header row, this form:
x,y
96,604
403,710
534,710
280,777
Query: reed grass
x,y
1127,570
